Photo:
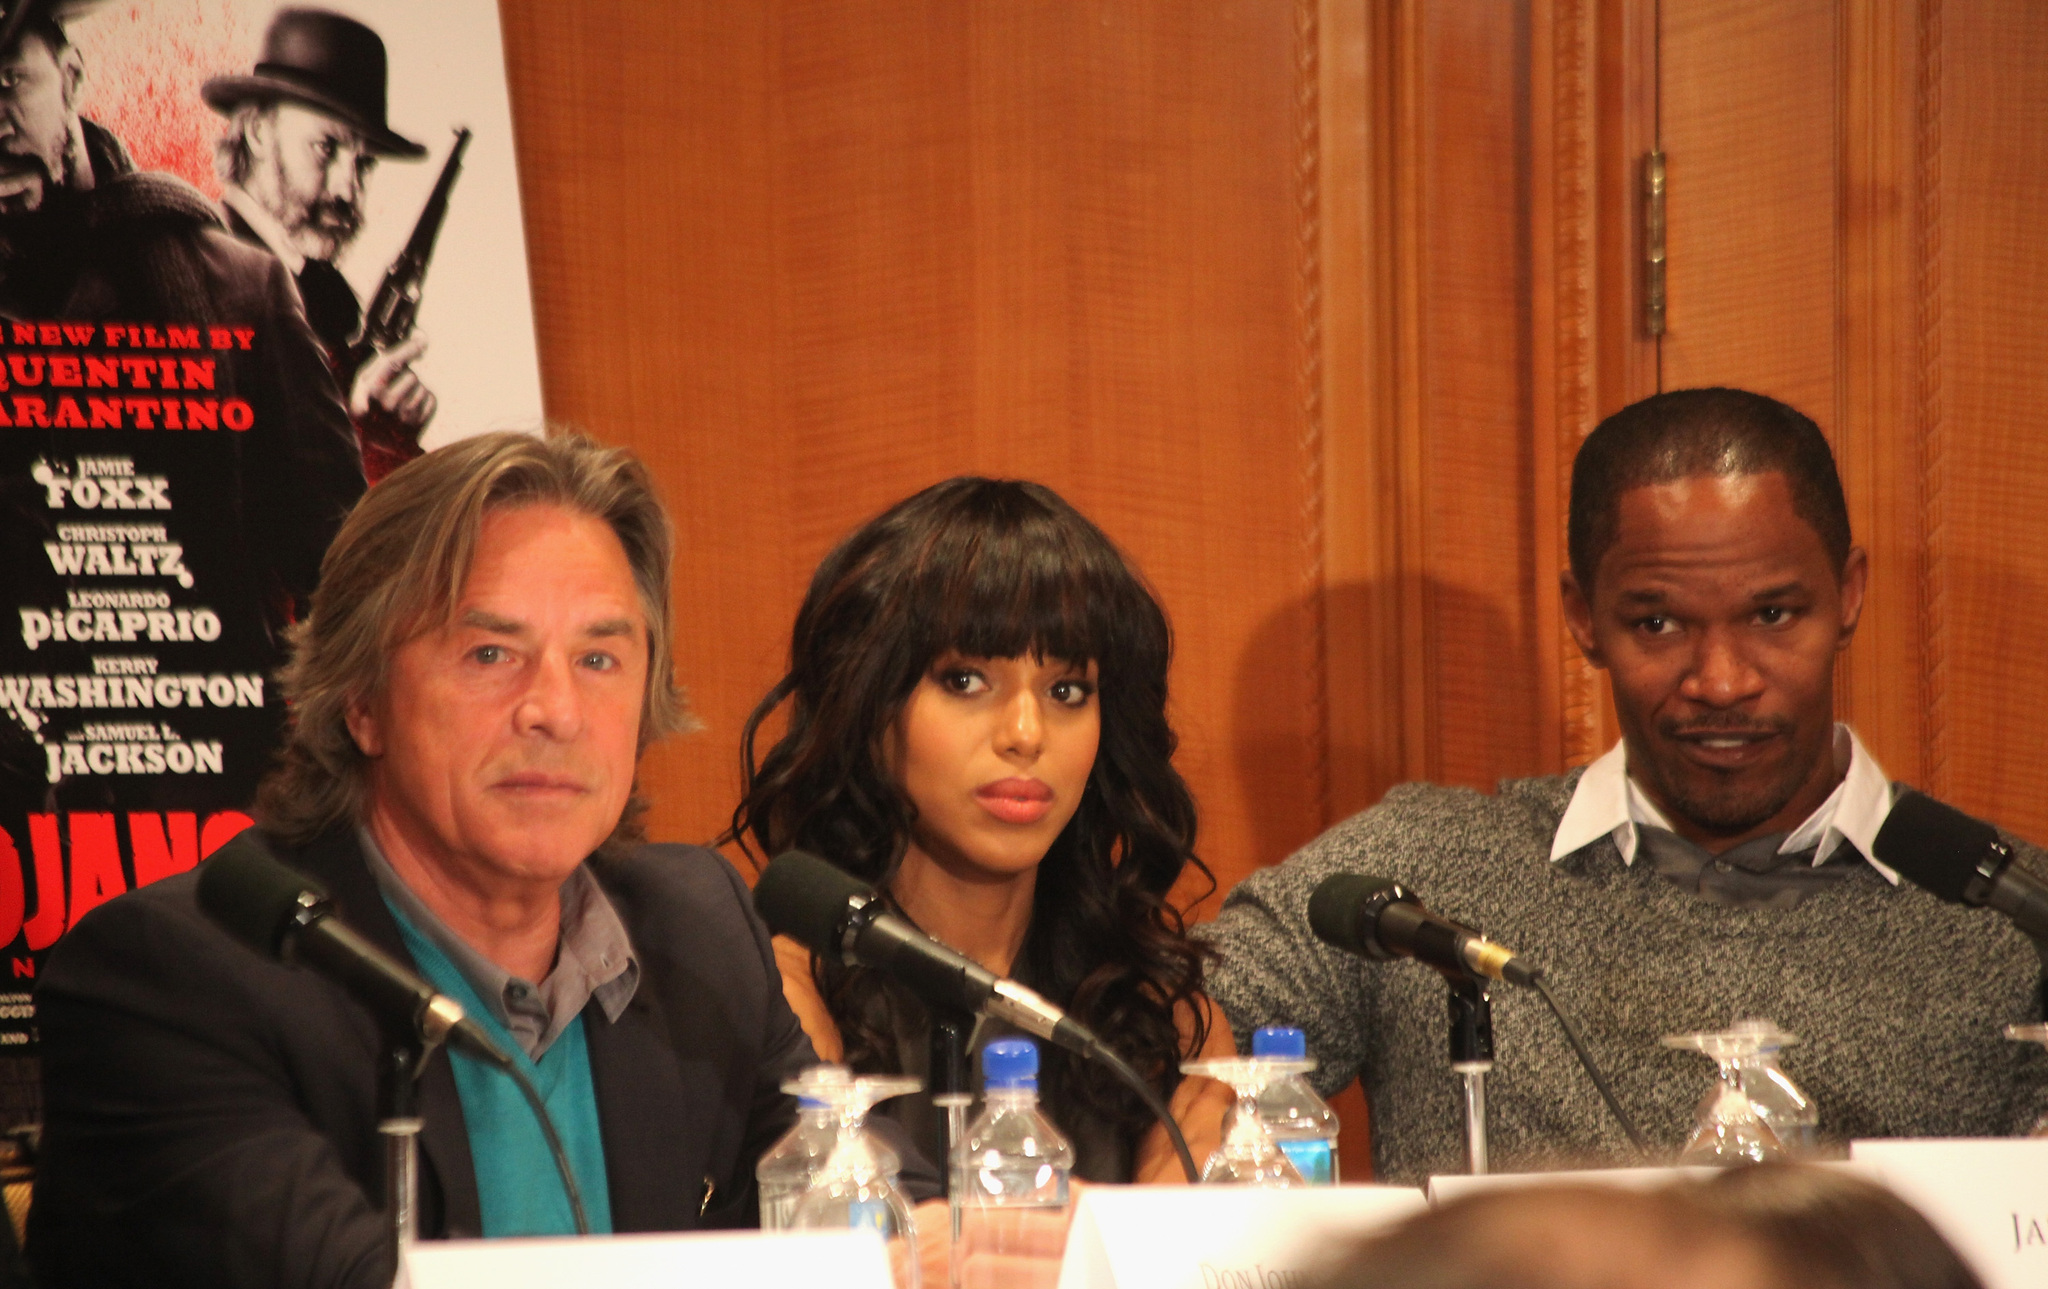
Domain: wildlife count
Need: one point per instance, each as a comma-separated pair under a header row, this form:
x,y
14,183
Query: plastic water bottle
x,y
1012,1169
1778,1100
1296,1118
789,1165
788,1168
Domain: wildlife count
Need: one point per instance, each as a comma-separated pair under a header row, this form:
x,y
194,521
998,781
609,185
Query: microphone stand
x,y
1471,1060
399,1123
952,1088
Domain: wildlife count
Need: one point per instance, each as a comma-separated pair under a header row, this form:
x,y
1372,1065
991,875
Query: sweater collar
x,y
1607,802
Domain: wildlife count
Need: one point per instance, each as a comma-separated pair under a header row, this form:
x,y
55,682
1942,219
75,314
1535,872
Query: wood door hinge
x,y
1653,243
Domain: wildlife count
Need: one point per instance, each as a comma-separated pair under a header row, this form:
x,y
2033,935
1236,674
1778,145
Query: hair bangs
x,y
1020,588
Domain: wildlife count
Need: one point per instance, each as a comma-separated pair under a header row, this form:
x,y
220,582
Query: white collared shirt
x,y
1608,802
265,225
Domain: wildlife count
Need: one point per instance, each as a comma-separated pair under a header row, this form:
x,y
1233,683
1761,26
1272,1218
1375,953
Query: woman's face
x,y
995,754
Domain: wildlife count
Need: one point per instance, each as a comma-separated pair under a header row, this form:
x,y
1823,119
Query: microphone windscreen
x,y
243,887
1333,909
1933,845
805,898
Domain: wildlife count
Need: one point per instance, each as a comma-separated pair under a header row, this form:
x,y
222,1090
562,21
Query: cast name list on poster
x,y
119,681
161,843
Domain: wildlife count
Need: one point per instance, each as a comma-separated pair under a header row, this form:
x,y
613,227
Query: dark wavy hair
x,y
995,569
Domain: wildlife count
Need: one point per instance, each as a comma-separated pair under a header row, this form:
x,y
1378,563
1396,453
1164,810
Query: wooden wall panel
x,y
1747,118
808,257
1989,365
1474,340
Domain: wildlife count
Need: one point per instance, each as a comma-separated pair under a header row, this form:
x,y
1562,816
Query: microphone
x,y
1384,920
283,914
836,915
1961,859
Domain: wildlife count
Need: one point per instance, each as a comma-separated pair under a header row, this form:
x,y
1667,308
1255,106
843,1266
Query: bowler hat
x,y
327,62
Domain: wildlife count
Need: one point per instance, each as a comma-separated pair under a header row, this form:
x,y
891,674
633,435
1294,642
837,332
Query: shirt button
x,y
1723,866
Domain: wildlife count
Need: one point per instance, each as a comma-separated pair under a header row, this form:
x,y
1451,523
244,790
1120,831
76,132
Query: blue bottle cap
x,y
1010,1063
1282,1041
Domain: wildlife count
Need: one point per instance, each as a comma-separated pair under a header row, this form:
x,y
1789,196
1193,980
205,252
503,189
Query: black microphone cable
x,y
554,1140
1107,1055
1571,1033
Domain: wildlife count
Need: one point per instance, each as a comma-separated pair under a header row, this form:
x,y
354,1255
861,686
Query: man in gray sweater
x,y
1716,864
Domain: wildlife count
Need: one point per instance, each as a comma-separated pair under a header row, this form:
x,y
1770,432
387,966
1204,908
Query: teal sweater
x,y
517,1186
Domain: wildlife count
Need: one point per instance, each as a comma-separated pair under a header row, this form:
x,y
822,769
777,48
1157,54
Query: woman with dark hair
x,y
976,725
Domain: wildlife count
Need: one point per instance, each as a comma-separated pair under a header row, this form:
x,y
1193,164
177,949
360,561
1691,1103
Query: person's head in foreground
x,y
1779,1226
486,657
1831,1228
1563,1236
1712,577
976,723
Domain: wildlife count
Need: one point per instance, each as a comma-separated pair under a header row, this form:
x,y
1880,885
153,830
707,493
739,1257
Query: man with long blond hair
x,y
485,660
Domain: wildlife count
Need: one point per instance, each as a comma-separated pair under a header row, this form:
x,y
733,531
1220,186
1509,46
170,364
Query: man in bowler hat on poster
x,y
306,128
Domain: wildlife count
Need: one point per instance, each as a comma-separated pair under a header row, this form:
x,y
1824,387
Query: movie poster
x,y
252,258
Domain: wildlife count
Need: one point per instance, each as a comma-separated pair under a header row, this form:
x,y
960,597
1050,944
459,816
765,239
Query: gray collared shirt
x,y
593,957
1753,875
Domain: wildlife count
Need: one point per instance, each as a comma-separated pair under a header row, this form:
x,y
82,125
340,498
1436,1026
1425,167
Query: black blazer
x,y
210,1115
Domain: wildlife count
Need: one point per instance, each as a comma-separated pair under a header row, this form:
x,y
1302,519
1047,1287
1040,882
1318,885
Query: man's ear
x,y
71,72
1578,617
257,129
365,727
1855,581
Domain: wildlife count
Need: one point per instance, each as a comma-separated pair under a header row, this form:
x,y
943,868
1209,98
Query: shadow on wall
x,y
1471,659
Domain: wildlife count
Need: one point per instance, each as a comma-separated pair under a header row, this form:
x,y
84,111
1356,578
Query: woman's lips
x,y
1015,801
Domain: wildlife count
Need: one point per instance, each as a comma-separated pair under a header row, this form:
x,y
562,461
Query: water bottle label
x,y
870,1215
778,1212
1315,1160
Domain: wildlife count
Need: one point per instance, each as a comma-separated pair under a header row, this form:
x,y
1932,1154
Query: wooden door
x,y
1853,191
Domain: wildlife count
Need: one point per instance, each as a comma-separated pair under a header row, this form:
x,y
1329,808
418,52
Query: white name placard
x,y
1989,1197
841,1259
1219,1237
1449,1186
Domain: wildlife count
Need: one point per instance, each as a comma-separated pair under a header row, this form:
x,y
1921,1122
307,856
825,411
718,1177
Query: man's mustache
x,y
334,216
15,161
1724,725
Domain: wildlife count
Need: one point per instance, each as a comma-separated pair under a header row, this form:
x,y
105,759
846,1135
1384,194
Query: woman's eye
x,y
958,680
599,661
1073,693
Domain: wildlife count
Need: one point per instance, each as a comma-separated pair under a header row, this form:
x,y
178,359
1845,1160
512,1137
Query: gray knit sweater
x,y
1898,998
